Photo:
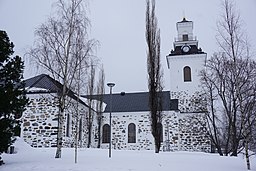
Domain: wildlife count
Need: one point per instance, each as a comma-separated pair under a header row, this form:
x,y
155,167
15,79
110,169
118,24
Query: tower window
x,y
185,37
131,133
187,73
106,134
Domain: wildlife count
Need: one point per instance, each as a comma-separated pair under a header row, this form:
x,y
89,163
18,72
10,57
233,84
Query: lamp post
x,y
110,85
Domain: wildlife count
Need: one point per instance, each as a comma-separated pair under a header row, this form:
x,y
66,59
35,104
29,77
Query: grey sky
x,y
119,25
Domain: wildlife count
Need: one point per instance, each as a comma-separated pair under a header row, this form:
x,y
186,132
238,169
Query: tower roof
x,y
184,20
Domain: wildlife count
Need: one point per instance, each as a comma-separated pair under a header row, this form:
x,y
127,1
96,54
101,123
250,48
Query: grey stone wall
x,y
189,102
193,134
120,122
182,131
40,122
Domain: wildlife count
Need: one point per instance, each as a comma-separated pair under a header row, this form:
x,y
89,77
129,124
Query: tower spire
x,y
184,16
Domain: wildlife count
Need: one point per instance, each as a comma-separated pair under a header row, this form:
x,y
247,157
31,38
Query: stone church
x,y
183,124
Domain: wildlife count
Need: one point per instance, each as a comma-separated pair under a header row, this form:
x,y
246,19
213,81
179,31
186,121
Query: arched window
x,y
160,130
187,73
131,133
106,134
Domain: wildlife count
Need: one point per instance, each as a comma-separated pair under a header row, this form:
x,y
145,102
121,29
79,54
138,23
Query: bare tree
x,y
233,43
230,79
99,103
155,73
247,103
90,92
62,45
213,119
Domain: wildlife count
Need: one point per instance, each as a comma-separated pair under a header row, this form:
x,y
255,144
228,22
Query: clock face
x,y
185,48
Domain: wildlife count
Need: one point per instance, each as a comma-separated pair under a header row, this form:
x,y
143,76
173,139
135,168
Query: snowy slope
x,y
42,159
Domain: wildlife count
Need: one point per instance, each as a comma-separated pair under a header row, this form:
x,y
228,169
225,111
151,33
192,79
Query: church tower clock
x,y
185,62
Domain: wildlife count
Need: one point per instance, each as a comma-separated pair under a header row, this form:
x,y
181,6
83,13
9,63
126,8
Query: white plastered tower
x,y
185,62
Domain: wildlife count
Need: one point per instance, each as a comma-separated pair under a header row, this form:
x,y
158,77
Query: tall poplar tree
x,y
155,73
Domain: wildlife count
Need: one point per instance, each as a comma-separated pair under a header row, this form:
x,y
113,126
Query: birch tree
x,y
62,45
155,73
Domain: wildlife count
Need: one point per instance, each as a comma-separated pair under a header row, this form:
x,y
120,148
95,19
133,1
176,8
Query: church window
x,y
131,133
185,37
106,134
187,73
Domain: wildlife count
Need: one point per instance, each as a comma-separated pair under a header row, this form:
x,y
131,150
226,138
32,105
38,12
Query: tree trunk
x,y
89,135
219,151
59,134
247,155
157,148
99,134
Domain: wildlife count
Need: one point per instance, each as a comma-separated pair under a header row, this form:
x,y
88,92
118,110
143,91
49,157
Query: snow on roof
x,y
35,89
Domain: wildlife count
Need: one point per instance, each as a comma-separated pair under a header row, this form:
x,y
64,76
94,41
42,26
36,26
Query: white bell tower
x,y
185,62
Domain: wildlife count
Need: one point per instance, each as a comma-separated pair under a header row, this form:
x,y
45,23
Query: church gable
x,y
45,84
40,119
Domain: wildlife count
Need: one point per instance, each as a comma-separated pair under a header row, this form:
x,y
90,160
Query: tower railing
x,y
176,39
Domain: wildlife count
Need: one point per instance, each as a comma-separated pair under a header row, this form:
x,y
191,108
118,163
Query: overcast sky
x,y
119,25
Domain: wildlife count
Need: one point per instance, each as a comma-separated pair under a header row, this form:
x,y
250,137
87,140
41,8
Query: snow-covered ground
x,y
42,159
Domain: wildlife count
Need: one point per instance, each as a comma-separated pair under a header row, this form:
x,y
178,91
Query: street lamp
x,y
110,85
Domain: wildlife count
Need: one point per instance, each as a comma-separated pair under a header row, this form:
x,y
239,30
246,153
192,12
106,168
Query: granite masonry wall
x,y
181,131
40,122
120,122
189,102
193,134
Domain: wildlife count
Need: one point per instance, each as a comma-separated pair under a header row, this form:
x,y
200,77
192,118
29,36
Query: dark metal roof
x,y
128,102
46,82
184,20
193,50
135,102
